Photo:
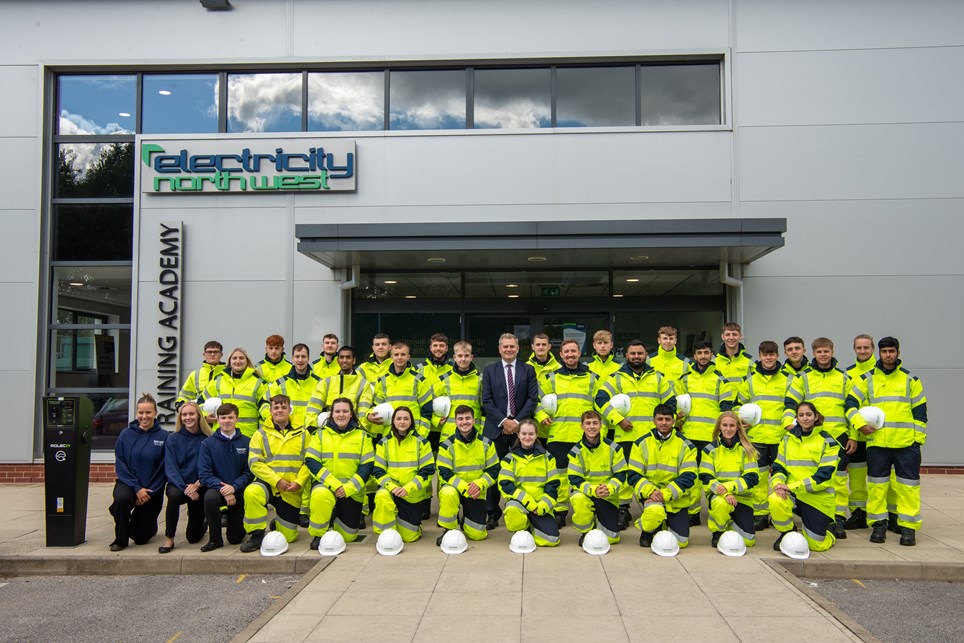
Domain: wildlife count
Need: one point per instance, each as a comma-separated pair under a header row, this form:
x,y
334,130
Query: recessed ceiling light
x,y
513,296
436,260
390,281
512,285
639,258
164,92
76,283
537,258
617,296
632,280
409,296
124,114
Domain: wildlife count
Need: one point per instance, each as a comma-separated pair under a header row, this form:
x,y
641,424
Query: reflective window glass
x,y
595,96
92,294
417,285
530,284
667,283
346,101
179,103
643,324
512,98
95,170
91,358
414,328
680,94
93,232
264,103
427,100
96,104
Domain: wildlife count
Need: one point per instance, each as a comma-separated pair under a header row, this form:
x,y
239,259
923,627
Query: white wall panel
x,y
20,326
18,167
943,388
866,86
317,311
18,418
21,109
852,162
19,261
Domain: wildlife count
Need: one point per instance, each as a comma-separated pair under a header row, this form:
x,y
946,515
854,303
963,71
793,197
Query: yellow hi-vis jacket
x,y
462,388
827,390
900,395
575,390
323,369
670,363
603,368
541,368
275,455
727,469
711,394
248,392
341,458
593,465
530,477
299,389
354,386
407,388
271,372
664,464
405,462
769,391
372,369
806,464
734,368
646,390
432,371
197,381
855,371
461,461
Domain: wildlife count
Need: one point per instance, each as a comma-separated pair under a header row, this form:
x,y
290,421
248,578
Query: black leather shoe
x,y
303,522
838,529
361,523
624,518
492,522
646,538
117,547
164,549
776,543
560,520
760,523
715,539
252,542
582,537
211,545
879,534
908,537
892,523
224,520
695,520
857,520
438,541
314,543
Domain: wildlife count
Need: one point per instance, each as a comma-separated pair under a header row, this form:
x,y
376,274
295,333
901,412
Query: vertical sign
x,y
169,297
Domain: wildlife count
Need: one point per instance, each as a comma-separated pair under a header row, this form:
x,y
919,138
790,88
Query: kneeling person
x,y
597,471
223,469
729,472
529,481
467,466
340,458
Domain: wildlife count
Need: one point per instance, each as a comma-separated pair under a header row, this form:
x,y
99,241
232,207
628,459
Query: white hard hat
x,y
389,543
211,405
794,545
621,403
751,413
332,543
321,418
550,403
595,542
453,542
873,415
522,543
274,544
731,544
684,403
441,406
384,411
665,544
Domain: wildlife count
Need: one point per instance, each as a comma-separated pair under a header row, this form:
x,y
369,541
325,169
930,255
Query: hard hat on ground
x,y
441,406
684,403
665,544
384,411
751,413
332,543
794,545
522,543
595,542
621,403
453,542
550,403
873,415
389,543
274,544
211,405
731,544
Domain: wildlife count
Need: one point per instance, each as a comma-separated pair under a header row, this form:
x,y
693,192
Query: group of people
x,y
329,442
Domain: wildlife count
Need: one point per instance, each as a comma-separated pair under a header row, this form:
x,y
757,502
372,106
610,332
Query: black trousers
x,y
492,496
195,513
560,451
213,501
133,522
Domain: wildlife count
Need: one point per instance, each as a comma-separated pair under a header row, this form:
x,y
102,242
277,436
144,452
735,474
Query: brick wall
x,y
24,473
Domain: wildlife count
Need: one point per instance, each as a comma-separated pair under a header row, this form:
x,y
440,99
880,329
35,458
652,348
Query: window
x,y
595,96
346,101
96,105
179,103
264,103
427,99
513,98
680,94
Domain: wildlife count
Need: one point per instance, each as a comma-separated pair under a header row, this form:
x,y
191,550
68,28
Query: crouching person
x,y
223,470
597,472
276,458
340,458
467,466
529,481
404,468
729,472
662,468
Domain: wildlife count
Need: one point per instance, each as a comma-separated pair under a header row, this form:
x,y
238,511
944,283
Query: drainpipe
x,y
353,282
733,282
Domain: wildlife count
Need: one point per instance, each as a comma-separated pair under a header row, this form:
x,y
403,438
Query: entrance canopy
x,y
662,243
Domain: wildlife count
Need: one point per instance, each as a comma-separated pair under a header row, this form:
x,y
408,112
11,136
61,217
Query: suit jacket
x,y
495,396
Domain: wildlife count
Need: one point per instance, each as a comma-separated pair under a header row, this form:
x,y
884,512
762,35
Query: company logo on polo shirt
x,y
248,165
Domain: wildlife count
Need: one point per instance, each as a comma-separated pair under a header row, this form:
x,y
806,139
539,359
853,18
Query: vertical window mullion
x,y
387,123
639,95
304,101
552,99
470,98
223,102
139,104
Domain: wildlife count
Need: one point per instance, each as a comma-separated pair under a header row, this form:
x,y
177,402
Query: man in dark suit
x,y
509,394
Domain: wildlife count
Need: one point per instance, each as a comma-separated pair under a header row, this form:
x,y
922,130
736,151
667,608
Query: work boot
x,y
695,520
252,542
760,523
492,521
582,537
908,537
624,518
715,539
879,534
857,520
776,543
561,520
315,542
303,521
438,541
837,528
892,523
646,538
361,523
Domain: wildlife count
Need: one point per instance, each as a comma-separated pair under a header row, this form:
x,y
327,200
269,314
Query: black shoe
x,y
303,521
837,528
314,543
164,549
892,523
908,537
560,520
117,547
252,542
582,537
438,541
211,545
760,523
224,520
427,512
776,543
492,522
879,534
695,520
646,538
715,539
361,523
273,525
857,520
624,518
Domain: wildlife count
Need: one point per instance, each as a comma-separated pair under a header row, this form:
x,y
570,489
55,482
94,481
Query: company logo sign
x,y
247,165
